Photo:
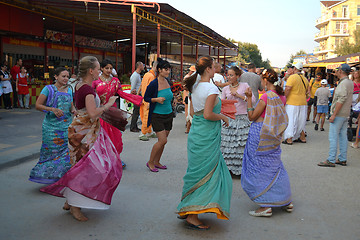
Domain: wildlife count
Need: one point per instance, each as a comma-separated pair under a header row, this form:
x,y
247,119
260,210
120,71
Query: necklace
x,y
105,79
234,86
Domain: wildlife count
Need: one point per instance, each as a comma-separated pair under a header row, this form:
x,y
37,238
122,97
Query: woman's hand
x,y
160,100
58,113
233,91
225,120
248,93
112,100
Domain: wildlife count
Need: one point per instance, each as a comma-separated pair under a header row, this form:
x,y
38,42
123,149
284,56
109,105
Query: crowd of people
x,y
80,152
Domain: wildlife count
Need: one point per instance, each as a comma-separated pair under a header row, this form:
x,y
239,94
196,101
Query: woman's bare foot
x,y
66,206
194,222
77,214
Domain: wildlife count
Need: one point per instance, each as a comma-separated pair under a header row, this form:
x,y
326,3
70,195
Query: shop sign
x,y
60,47
333,65
354,59
91,51
16,41
46,75
126,87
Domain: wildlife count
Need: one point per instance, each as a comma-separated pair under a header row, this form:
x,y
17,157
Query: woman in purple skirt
x,y
263,176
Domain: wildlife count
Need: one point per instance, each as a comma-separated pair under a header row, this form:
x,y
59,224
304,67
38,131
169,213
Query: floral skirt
x,y
233,141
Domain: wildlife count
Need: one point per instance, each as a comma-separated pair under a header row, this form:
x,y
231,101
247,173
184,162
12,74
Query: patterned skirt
x,y
233,141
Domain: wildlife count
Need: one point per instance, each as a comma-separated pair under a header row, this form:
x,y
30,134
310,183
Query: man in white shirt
x,y
135,81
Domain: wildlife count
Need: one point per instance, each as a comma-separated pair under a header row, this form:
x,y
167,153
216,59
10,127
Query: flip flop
x,y
343,163
197,227
285,142
326,163
353,146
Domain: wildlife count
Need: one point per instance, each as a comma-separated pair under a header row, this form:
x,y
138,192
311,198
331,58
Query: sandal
x,y
66,206
300,141
342,163
288,208
326,163
285,142
197,227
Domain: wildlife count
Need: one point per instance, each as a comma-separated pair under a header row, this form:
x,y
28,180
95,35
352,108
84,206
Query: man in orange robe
x,y
146,131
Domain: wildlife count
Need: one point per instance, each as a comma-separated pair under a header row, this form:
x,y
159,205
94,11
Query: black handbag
x,y
115,117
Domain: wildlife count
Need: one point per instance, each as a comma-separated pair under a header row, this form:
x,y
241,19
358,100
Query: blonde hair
x,y
86,63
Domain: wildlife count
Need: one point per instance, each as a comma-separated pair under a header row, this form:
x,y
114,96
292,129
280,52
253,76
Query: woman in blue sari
x,y
207,182
263,176
57,101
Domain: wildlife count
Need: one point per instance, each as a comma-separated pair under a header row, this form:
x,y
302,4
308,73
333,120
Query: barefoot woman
x,y
96,170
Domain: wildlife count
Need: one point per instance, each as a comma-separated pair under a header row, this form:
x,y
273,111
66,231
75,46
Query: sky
x,y
278,27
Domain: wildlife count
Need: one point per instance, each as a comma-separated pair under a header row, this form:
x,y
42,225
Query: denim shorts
x,y
322,108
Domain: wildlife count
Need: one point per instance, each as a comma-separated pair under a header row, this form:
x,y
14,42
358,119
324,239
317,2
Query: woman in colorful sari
x,y
263,176
57,101
107,86
207,182
96,166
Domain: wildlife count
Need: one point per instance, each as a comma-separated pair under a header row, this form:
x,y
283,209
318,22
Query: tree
x,y
348,48
250,53
292,56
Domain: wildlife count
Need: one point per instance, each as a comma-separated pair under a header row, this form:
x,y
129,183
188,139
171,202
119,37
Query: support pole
x,y
1,50
133,50
146,55
182,57
158,40
209,50
46,60
224,58
197,50
218,54
73,46
116,51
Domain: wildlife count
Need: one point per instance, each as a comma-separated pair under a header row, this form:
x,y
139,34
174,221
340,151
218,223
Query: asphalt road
x,y
326,200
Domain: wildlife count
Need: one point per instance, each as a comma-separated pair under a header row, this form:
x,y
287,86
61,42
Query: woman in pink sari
x,y
96,166
107,86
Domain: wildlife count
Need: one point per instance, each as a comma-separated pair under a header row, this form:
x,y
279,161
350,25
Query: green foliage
x,y
124,79
292,56
348,48
250,53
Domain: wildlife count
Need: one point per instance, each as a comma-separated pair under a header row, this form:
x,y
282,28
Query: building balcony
x,y
320,36
331,16
319,51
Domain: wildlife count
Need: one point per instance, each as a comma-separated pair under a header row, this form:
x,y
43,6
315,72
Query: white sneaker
x,y
151,135
143,138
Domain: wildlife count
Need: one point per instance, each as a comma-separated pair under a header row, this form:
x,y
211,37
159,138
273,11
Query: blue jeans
x,y
338,135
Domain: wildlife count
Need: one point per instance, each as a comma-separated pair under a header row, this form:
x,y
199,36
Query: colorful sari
x,y
54,159
96,170
263,176
207,182
106,90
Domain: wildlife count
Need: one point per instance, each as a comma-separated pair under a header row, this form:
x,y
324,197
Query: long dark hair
x,y
201,64
271,76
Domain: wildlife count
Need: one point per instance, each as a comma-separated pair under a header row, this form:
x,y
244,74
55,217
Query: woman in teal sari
x,y
207,182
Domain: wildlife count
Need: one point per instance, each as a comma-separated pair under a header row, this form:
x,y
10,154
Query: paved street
x,y
327,203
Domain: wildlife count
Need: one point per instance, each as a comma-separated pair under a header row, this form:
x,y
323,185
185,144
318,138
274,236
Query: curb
x,y
15,162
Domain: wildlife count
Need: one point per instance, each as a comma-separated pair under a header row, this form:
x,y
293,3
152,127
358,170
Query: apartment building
x,y
337,22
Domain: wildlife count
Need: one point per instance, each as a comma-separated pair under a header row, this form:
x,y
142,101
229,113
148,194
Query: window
x,y
345,12
358,10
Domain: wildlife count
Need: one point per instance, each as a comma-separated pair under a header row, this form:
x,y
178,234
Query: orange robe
x,y
144,108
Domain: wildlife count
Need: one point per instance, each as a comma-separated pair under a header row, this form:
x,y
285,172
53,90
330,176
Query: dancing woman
x,y
207,182
107,86
263,176
159,95
57,101
233,138
96,166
